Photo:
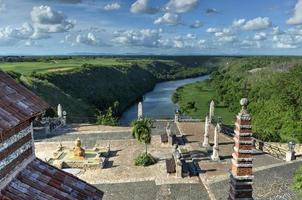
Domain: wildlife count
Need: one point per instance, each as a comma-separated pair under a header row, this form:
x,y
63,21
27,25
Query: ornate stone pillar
x,y
215,155
140,111
206,133
211,114
241,174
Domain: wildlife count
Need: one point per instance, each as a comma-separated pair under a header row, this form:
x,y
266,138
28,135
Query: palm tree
x,y
141,130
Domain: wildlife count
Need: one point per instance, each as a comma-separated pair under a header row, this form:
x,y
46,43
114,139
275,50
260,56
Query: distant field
x,y
200,95
63,65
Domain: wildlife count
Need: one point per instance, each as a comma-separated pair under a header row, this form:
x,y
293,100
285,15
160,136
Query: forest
x,y
274,88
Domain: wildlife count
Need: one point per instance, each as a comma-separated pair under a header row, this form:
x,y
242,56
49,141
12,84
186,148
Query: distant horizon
x,y
151,55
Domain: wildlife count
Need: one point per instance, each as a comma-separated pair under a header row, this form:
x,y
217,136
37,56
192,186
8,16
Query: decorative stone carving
x,y
78,150
242,166
206,133
211,114
215,155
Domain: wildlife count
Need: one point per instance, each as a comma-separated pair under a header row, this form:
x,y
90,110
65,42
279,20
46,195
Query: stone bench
x,y
164,138
170,165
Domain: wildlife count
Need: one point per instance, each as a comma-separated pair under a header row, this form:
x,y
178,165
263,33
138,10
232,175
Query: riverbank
x,y
194,100
157,104
93,90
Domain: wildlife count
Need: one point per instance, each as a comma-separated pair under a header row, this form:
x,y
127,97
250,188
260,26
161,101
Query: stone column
x,y
211,114
206,133
241,174
140,111
215,155
59,111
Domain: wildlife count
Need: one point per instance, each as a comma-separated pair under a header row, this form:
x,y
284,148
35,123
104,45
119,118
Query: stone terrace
x,y
122,180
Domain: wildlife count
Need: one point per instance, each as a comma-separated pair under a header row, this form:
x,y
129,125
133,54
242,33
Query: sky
x,y
151,27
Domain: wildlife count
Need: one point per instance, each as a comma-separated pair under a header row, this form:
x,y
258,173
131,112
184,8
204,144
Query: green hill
x,y
88,86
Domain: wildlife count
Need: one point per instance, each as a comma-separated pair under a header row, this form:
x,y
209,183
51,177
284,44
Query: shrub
x,y
144,159
297,182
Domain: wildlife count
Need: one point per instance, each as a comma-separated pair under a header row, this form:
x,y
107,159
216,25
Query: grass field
x,y
194,100
58,65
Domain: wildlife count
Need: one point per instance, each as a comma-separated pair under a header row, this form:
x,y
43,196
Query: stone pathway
x,y
273,177
148,190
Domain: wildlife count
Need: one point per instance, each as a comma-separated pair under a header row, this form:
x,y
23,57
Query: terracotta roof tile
x,y
43,181
17,103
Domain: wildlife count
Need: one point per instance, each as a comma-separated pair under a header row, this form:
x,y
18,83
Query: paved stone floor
x,y
122,180
212,170
93,133
269,184
148,190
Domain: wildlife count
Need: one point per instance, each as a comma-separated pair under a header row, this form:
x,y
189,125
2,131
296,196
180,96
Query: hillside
x,y
91,86
274,90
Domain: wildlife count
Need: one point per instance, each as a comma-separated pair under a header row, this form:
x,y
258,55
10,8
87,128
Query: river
x,y
157,104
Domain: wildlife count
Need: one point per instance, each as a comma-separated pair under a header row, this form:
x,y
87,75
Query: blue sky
x,y
177,27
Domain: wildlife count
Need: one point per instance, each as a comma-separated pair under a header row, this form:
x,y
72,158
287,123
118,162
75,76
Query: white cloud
x,y
257,24
213,30
112,6
297,14
190,41
169,19
144,37
142,6
260,36
196,24
246,44
181,6
238,23
191,36
281,45
47,20
227,38
10,35
277,31
285,41
87,39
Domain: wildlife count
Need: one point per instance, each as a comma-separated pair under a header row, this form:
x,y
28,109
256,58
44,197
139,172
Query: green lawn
x,y
57,65
194,100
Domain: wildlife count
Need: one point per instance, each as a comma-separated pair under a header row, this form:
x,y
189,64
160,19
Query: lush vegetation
x,y
297,182
99,89
141,130
275,94
274,88
144,159
194,100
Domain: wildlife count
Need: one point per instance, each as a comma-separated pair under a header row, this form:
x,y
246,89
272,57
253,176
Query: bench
x,y
164,138
170,165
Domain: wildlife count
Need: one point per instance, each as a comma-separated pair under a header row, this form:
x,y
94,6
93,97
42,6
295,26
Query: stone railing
x,y
274,150
183,118
51,124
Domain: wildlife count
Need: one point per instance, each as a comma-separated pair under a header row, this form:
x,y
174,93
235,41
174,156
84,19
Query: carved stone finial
x,y
244,103
78,150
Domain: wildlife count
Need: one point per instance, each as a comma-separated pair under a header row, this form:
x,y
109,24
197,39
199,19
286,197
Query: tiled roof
x,y
40,180
17,103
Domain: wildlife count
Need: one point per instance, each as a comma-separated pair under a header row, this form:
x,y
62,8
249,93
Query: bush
x,y
144,159
297,182
107,118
